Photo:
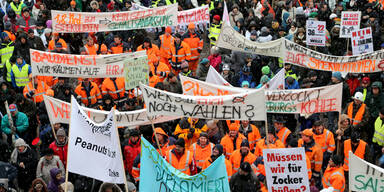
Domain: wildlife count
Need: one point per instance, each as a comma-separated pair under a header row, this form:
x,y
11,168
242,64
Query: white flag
x,y
93,149
215,78
278,81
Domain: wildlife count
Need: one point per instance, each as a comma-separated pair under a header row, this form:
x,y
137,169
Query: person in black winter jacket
x,y
22,47
244,180
34,41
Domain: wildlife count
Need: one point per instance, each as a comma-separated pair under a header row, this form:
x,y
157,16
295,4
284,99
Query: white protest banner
x,y
350,21
364,176
315,33
94,148
68,65
362,41
303,101
230,39
277,82
286,169
59,112
244,106
214,77
136,71
79,22
304,57
198,16
225,14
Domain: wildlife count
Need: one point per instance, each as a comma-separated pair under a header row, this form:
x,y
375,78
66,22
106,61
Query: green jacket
x,y
21,123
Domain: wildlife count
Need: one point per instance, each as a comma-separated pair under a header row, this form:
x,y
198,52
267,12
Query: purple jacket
x,y
53,185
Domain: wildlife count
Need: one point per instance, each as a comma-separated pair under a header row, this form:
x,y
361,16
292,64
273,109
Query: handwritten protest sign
x,y
79,22
198,16
59,112
229,38
350,21
243,106
364,176
315,33
68,65
304,57
156,174
286,169
93,148
362,41
303,101
136,72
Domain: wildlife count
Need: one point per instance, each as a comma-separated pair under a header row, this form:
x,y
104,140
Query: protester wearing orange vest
x,y
294,143
182,159
180,52
324,138
36,90
201,150
158,68
119,46
358,147
241,155
313,151
89,93
273,143
115,87
57,40
334,174
283,133
91,48
166,42
153,80
195,42
163,141
359,113
189,129
232,140
150,48
216,153
251,132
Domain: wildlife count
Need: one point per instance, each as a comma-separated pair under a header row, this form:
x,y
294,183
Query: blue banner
x,y
157,175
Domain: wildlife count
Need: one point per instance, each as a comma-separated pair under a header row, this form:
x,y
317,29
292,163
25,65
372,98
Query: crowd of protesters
x,y
189,144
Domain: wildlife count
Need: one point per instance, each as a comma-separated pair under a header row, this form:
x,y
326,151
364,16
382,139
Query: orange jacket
x,y
180,53
165,46
91,50
334,177
308,166
49,80
314,153
228,166
325,140
200,154
227,143
235,159
181,132
136,172
184,164
39,91
154,80
283,135
153,50
165,147
253,135
358,116
195,43
260,145
360,152
52,44
162,68
116,88
11,36
91,97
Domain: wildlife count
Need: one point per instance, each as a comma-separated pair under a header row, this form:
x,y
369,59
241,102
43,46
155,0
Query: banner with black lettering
x,y
84,66
364,176
59,112
286,169
243,106
157,175
93,148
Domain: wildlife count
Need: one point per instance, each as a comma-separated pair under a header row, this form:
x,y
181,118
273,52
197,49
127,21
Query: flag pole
x,y
68,140
157,140
121,154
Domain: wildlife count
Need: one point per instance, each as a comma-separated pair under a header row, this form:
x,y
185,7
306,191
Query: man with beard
x,y
216,153
232,140
201,150
182,159
244,180
60,146
241,155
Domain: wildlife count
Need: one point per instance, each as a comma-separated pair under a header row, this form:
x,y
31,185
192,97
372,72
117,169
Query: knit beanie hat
x,y
337,75
61,132
265,70
264,79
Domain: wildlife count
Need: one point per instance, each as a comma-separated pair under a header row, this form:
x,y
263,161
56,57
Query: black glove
x,y
190,135
199,50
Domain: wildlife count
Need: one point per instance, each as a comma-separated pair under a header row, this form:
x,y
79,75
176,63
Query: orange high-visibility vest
x,y
334,177
360,151
235,159
165,47
283,134
181,164
227,144
200,154
359,115
326,141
